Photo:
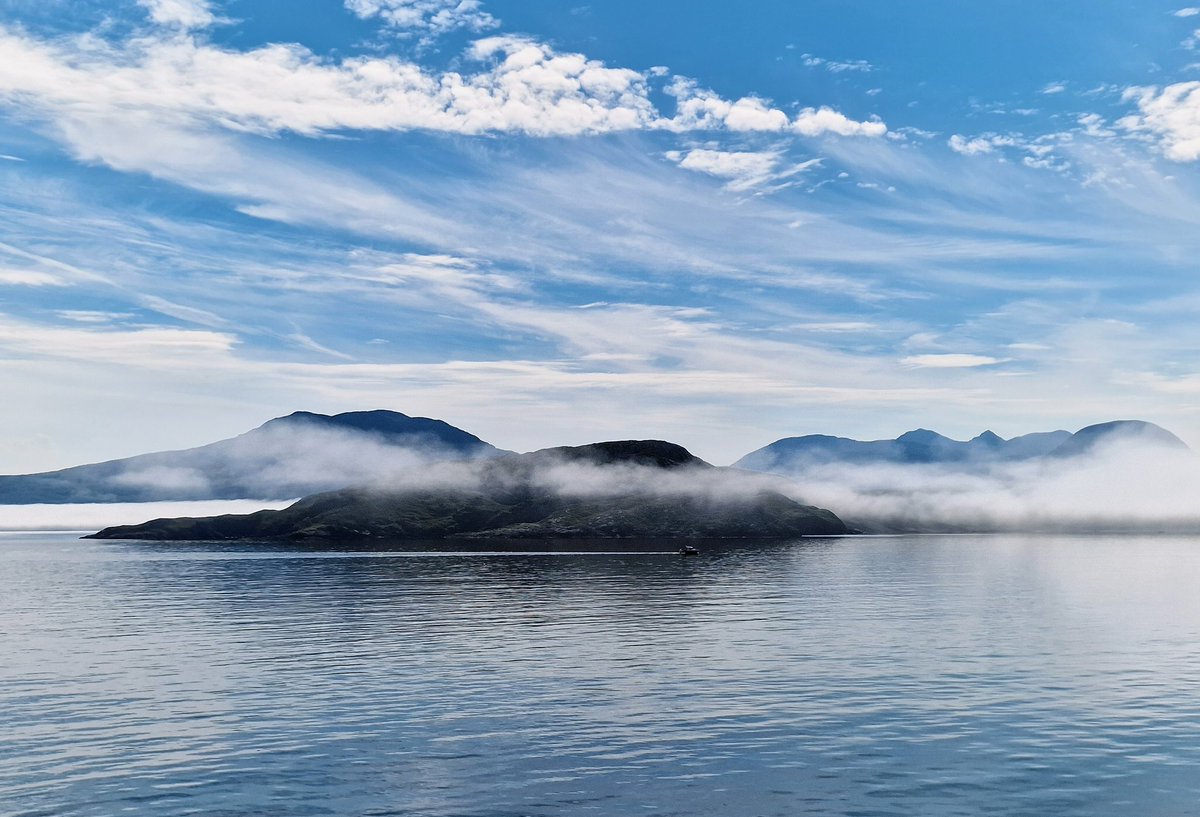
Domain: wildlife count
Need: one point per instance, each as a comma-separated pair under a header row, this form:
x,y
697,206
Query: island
x,y
621,489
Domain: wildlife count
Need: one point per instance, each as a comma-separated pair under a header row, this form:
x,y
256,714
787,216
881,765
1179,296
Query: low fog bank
x,y
567,477
1123,486
288,460
88,517
274,462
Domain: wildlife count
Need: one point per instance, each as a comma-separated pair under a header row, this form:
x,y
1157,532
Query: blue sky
x,y
553,223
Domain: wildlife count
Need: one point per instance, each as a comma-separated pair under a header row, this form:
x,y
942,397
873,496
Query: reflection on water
x,y
875,676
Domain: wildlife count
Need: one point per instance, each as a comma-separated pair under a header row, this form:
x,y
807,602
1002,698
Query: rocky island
x,y
625,489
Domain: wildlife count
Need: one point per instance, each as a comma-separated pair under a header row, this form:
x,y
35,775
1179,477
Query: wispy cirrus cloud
x,y
950,361
836,66
29,278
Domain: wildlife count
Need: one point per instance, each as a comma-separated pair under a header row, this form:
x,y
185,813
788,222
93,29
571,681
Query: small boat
x,y
688,550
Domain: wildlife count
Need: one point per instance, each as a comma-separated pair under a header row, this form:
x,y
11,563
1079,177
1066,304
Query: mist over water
x,y
1118,486
94,516
1122,485
292,458
952,675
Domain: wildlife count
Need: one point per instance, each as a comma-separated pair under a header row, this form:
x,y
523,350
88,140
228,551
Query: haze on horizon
x,y
555,224
1128,478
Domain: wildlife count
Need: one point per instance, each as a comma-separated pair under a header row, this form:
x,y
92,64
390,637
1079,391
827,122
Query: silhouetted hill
x,y
919,446
795,454
644,489
285,457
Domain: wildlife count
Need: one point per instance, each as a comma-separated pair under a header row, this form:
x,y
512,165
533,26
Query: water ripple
x,y
917,675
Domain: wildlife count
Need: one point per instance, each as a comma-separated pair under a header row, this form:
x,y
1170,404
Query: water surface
x,y
952,675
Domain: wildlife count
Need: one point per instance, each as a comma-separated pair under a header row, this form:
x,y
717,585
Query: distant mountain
x,y
796,454
633,488
1135,432
286,457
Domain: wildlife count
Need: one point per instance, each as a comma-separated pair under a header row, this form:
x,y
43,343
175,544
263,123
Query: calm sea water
x,y
876,676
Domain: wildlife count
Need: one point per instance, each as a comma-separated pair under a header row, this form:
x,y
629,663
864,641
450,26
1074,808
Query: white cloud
x,y
1095,126
94,517
836,66
980,144
969,147
701,109
818,121
950,361
148,347
182,13
520,86
435,280
1172,114
29,278
1054,87
961,144
428,17
1190,11
92,316
743,169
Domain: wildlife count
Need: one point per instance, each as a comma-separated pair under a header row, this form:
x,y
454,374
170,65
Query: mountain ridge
x,y
924,447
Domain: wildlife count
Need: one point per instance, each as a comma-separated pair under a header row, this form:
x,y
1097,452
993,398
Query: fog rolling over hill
x,y
1120,475
624,489
284,458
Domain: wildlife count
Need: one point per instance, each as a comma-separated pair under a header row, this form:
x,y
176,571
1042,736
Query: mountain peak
x,y
920,435
1088,438
285,457
381,422
988,438
656,453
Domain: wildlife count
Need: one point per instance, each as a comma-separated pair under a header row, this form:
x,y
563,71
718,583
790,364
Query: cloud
x,y
445,278
519,86
185,14
95,517
1190,11
978,145
29,278
818,121
1054,88
969,147
428,18
950,361
1170,114
836,66
92,316
143,347
743,169
701,109
1120,486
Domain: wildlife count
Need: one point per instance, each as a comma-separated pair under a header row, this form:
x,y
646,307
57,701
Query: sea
x,y
864,676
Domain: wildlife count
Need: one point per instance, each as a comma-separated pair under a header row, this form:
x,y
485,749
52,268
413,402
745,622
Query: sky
x,y
553,223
